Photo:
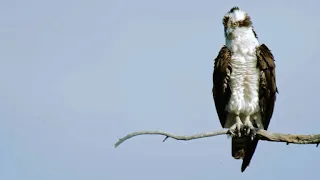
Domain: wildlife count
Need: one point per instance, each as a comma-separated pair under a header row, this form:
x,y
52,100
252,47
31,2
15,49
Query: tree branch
x,y
261,134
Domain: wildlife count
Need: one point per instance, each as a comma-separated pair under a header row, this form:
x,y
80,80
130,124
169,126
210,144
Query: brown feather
x,y
246,22
221,89
268,87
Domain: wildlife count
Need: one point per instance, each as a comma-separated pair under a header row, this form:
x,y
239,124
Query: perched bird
x,y
244,84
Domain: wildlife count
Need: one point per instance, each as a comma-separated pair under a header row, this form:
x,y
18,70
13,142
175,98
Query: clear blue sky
x,y
77,75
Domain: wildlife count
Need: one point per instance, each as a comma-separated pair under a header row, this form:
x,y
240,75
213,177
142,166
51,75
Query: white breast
x,y
244,79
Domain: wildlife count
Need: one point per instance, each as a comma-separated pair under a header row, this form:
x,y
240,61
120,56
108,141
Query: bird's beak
x,y
229,33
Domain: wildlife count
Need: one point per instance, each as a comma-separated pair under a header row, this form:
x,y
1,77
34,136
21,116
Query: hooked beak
x,y
229,33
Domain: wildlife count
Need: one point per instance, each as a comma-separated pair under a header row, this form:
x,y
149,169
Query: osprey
x,y
244,84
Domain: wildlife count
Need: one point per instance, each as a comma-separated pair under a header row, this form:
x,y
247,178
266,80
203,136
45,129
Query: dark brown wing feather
x,y
221,90
268,86
267,95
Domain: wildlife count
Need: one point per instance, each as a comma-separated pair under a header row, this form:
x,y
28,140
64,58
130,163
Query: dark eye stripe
x,y
225,20
246,22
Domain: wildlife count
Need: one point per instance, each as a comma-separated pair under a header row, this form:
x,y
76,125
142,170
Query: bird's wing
x,y
267,87
221,89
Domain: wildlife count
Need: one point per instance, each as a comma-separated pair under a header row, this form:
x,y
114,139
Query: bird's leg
x,y
236,128
248,127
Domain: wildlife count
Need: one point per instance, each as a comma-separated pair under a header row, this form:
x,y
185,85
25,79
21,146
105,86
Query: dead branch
x,y
261,134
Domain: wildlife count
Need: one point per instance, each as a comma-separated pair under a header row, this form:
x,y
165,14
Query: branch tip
x,y
165,138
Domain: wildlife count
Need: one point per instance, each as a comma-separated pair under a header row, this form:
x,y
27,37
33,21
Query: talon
x,y
236,129
248,131
253,133
239,127
232,134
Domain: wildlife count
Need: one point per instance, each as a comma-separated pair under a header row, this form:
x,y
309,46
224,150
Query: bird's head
x,y
234,19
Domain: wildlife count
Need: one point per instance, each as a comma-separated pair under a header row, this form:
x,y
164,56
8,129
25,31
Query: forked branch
x,y
261,134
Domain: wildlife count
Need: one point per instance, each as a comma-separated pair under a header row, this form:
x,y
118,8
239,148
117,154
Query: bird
x,y
244,84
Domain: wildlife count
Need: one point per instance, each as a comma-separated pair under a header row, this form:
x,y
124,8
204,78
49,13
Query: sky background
x,y
78,75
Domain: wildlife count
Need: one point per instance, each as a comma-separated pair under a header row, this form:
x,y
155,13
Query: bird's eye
x,y
234,23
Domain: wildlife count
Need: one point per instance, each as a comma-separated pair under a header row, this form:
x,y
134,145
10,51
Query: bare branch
x,y
261,134
176,137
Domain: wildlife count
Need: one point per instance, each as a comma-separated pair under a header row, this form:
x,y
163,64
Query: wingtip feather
x,y
244,166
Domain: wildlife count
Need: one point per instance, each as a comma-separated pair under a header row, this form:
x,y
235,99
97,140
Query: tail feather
x,y
244,148
251,147
239,147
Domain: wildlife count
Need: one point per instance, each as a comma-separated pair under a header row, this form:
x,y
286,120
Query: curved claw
x,y
236,130
250,131
231,132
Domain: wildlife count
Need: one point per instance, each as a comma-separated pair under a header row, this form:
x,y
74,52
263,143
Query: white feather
x,y
244,79
237,15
